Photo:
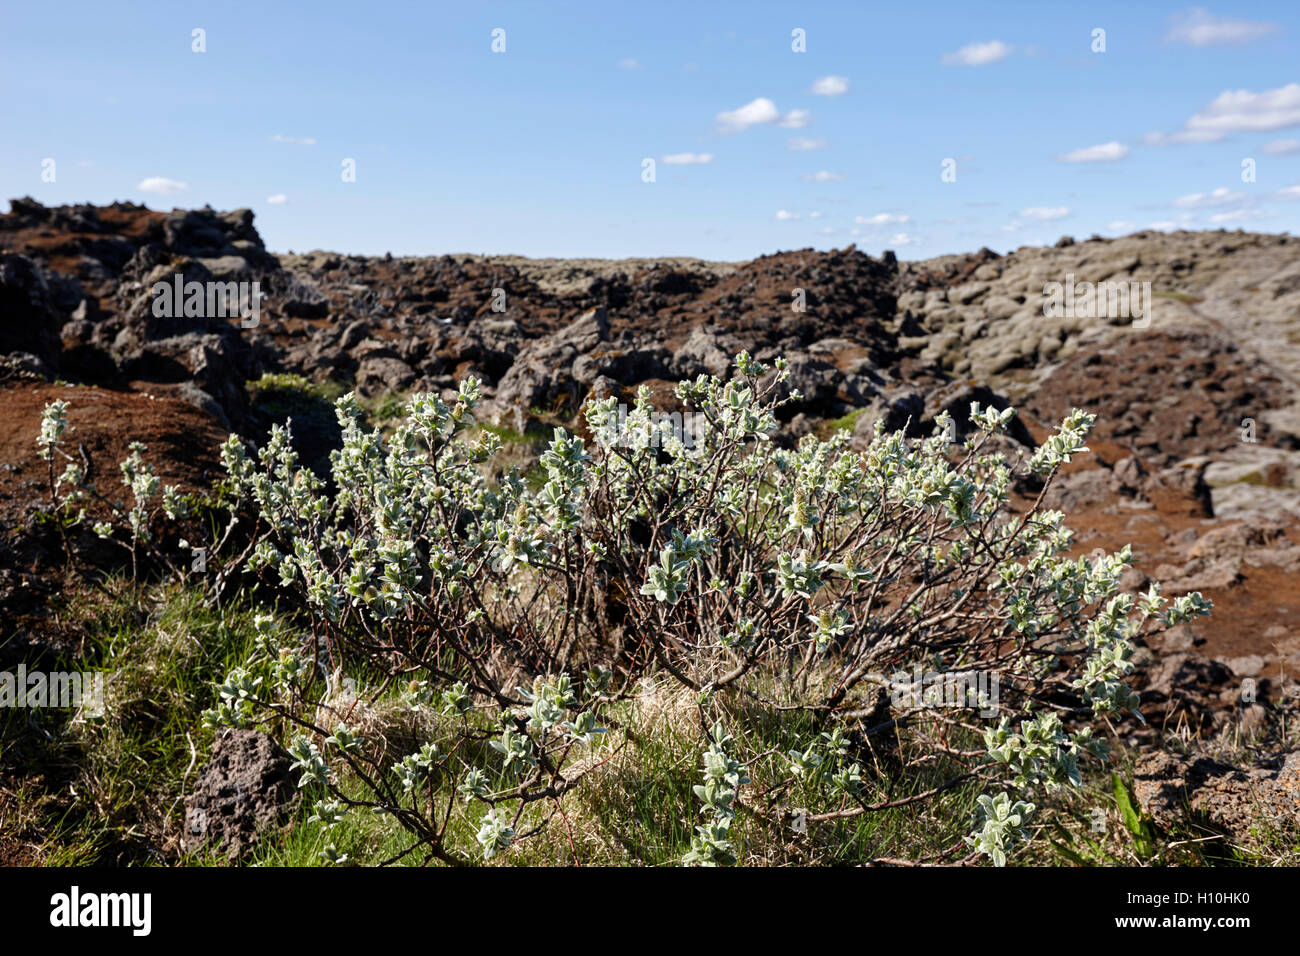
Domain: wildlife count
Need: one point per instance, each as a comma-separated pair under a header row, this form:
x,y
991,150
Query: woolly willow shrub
x,y
797,581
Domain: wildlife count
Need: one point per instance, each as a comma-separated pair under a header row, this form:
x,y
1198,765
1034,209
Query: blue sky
x,y
538,150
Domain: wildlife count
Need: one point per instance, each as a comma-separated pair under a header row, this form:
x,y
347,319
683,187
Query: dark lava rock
x,y
243,792
30,320
1228,798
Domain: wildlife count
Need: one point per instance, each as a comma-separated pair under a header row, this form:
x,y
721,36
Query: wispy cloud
x,y
1241,111
1045,213
978,54
1198,27
795,119
753,113
1282,147
162,186
831,86
783,215
279,199
822,176
629,63
1181,137
1238,215
298,140
1105,153
1223,196
687,159
881,219
803,142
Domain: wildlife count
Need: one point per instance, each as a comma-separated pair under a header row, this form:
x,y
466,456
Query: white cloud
x,y
1223,196
1241,111
1120,225
978,54
162,186
1235,215
784,216
803,142
831,86
1045,213
687,159
300,140
903,239
822,176
629,63
816,214
795,119
1282,147
761,110
1164,226
1105,153
1289,193
279,199
1182,136
880,219
1198,27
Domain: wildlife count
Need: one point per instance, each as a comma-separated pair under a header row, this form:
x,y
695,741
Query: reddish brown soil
x,y
1263,597
63,247
182,441
1167,396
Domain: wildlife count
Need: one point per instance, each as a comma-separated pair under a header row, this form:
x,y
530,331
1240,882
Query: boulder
x,y
543,374
1232,799
379,374
243,792
30,320
898,409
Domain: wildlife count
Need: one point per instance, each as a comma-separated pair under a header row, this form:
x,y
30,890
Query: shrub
x,y
808,586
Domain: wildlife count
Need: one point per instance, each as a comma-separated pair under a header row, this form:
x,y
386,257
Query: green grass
x,y
291,388
825,428
110,788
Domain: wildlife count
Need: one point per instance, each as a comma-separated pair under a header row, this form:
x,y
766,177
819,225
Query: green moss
x,y
277,398
389,407
511,437
827,427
